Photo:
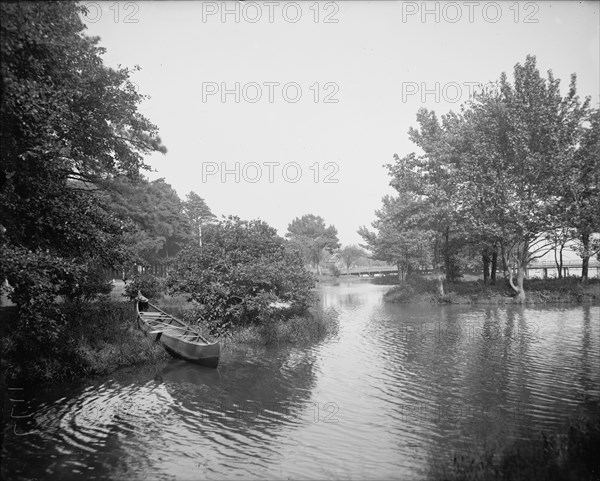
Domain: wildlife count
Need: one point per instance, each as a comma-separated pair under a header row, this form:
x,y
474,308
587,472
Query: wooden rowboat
x,y
178,338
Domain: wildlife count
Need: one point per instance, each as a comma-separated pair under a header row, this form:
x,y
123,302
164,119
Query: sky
x,y
271,110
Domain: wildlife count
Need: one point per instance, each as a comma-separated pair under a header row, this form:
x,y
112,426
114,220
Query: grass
x,y
537,291
312,327
98,338
547,457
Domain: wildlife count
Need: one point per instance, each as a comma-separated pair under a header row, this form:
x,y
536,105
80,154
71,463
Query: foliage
x,y
96,340
158,227
68,124
310,235
240,270
581,203
396,240
150,286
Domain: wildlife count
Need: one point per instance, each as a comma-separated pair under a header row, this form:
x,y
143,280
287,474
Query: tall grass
x,y
312,327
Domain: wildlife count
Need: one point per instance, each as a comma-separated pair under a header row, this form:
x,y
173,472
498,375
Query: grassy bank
x,y
547,457
98,338
538,291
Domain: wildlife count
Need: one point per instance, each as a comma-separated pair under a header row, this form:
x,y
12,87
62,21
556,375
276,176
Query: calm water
x,y
394,391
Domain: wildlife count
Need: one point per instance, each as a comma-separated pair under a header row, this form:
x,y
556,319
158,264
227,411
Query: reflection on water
x,y
395,388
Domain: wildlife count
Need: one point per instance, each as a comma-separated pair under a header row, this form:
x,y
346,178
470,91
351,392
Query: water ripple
x,y
395,388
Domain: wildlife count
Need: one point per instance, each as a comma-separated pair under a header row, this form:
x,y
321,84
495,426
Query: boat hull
x,y
181,340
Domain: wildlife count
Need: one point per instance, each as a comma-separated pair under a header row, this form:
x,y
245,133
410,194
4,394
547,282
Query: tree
x,y
519,140
197,212
241,270
310,234
68,124
350,254
159,228
581,202
396,240
432,178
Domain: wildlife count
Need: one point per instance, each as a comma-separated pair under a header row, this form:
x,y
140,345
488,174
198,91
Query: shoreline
x,y
420,290
101,338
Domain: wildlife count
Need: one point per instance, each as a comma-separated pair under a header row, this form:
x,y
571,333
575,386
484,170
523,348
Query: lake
x,y
394,391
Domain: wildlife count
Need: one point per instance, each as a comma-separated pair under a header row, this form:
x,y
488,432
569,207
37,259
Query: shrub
x,y
150,286
96,340
242,268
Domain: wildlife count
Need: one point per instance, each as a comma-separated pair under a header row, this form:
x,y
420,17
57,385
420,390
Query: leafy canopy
x,y
69,124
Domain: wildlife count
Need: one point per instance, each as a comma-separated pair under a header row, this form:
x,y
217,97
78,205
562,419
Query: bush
x,y
150,286
242,268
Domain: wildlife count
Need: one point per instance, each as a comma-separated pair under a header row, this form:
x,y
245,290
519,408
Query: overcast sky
x,y
273,110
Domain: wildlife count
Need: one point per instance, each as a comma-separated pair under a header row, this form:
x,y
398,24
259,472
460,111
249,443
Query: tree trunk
x,y
558,264
494,267
520,297
504,263
585,257
447,253
560,254
486,266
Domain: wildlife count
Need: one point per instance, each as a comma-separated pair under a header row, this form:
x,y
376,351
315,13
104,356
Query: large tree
x,y
432,178
520,140
69,124
311,235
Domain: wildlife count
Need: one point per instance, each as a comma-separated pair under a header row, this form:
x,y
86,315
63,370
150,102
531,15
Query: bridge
x,y
570,267
372,271
533,270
